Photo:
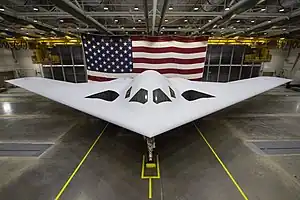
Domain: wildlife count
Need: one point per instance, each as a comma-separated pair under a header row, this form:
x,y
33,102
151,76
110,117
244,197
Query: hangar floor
x,y
189,169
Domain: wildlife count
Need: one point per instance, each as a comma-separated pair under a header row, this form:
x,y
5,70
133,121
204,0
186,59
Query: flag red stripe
x,y
169,38
168,60
172,71
99,78
169,49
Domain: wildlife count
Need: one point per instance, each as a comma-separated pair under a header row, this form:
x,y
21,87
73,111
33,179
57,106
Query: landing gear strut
x,y
150,148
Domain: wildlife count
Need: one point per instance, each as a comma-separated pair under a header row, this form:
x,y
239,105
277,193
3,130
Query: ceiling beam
x,y
146,15
154,15
79,14
162,15
245,15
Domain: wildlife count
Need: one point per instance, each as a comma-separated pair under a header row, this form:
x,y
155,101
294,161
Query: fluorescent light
x,y
284,29
166,20
139,20
196,8
238,21
27,33
171,8
105,8
209,20
161,32
116,20
61,20
35,21
203,32
227,8
163,27
179,27
234,28
122,27
281,10
136,8
6,29
199,27
265,33
77,28
2,9
185,20
133,28
222,28
263,9
35,9
215,26
269,21
55,28
175,32
22,28
252,21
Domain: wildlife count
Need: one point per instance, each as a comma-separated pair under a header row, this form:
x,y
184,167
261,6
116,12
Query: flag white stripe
x,y
169,44
167,66
128,75
168,55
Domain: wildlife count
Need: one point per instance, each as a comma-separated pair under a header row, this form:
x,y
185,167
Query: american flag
x,y
110,57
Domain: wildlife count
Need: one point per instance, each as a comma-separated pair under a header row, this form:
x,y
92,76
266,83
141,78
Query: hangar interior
x,y
247,151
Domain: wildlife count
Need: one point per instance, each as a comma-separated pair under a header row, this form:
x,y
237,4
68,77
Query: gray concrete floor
x,y
189,170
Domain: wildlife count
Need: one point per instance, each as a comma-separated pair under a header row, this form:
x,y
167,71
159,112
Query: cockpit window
x,y
141,96
159,96
172,93
128,93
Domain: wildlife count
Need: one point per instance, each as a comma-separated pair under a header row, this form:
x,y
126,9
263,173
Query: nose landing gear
x,y
150,161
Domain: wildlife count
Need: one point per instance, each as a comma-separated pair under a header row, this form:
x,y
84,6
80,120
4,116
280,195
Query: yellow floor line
x,y
150,188
222,164
79,165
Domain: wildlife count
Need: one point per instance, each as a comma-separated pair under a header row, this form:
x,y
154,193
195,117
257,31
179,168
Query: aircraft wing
x,y
216,96
149,119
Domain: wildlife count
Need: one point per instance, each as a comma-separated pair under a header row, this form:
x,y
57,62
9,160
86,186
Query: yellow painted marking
x,y
222,164
150,177
150,189
79,165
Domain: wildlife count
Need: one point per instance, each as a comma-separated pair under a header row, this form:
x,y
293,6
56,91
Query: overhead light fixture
x,y
265,33
139,20
199,28
215,26
88,33
281,10
238,21
77,28
122,27
2,9
6,29
284,29
248,28
179,27
143,32
203,32
175,32
35,9
166,20
252,21
27,33
35,21
136,8
234,28
263,9
196,8
185,20
163,27
161,32
209,20
222,28
116,20
133,28
171,8
61,20
22,28
105,8
126,32
227,8
269,21
54,28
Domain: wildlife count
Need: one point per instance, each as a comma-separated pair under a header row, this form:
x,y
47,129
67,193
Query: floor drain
x,y
275,147
22,149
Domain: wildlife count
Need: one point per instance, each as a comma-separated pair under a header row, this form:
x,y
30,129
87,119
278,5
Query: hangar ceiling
x,y
229,18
